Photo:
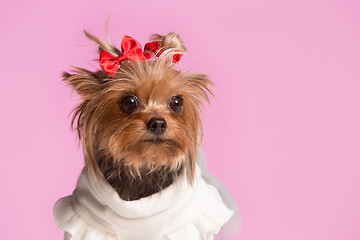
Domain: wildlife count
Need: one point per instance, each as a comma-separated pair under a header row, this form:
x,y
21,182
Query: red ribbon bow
x,y
131,50
153,48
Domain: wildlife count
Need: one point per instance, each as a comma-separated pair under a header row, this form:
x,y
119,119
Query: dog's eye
x,y
129,104
176,103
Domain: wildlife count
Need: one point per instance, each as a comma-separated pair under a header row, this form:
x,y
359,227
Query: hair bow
x,y
154,48
131,50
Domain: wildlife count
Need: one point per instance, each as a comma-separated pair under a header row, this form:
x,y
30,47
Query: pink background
x,y
283,133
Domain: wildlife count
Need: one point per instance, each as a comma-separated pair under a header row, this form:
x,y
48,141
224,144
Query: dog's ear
x,y
84,82
198,86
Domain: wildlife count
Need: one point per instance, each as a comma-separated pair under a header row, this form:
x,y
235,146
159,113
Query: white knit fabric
x,y
179,212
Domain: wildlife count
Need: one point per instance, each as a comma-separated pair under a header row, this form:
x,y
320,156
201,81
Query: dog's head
x,y
144,117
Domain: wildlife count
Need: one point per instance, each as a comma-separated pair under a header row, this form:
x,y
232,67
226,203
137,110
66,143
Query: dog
x,y
140,128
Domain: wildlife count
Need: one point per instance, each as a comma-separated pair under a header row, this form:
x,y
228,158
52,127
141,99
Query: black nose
x,y
157,125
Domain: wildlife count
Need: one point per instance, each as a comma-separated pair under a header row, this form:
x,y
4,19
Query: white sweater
x,y
180,212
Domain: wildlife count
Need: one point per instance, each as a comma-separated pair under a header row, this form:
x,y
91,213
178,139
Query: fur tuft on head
x,y
170,41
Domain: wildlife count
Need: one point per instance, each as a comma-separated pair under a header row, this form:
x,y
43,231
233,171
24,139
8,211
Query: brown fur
x,y
118,145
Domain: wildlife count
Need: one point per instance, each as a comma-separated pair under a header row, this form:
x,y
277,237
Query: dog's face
x,y
145,118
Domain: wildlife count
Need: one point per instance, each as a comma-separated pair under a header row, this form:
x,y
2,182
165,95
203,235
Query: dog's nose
x,y
157,125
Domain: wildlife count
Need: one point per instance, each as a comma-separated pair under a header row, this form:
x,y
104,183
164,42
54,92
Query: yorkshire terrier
x,y
140,128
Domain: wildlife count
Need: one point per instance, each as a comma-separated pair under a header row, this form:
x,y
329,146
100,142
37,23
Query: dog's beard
x,y
155,153
133,183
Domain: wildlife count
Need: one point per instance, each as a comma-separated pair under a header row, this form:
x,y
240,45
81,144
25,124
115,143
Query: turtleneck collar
x,y
181,211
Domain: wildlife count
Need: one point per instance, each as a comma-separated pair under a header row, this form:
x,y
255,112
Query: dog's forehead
x,y
156,87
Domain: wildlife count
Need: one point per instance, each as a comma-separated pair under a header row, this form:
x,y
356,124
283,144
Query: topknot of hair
x,y
169,41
